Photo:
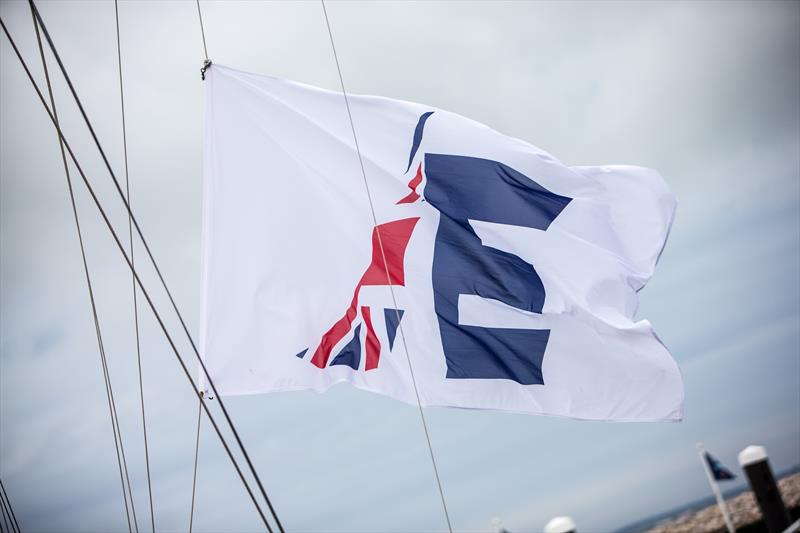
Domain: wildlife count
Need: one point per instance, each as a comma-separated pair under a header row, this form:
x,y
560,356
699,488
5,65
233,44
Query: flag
x,y
719,472
448,255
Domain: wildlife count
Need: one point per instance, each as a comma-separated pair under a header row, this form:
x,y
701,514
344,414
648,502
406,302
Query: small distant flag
x,y
717,469
716,472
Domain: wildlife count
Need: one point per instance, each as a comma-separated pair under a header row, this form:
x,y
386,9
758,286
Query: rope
x,y
118,446
386,268
202,30
196,452
9,509
121,248
157,269
133,282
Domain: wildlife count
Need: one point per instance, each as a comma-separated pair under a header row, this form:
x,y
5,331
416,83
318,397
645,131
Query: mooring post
x,y
560,524
755,463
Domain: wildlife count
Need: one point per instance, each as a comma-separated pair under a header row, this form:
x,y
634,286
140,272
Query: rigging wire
x,y
121,248
9,509
206,374
386,268
133,281
118,446
9,526
206,64
6,517
196,453
202,29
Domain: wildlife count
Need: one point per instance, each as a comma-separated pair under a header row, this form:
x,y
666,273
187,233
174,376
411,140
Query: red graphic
x,y
413,196
394,236
389,243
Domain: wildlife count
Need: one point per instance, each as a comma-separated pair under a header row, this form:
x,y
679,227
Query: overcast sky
x,y
704,92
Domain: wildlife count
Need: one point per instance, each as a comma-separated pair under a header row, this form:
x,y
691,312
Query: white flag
x,y
502,278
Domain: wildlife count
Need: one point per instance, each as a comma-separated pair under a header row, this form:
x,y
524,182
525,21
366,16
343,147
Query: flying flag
x,y
448,255
716,472
719,471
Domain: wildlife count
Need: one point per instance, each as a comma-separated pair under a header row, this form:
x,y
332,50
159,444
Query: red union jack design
x,y
389,243
394,237
386,269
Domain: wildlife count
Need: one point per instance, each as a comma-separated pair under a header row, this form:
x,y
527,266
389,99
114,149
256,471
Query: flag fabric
x,y
500,277
719,472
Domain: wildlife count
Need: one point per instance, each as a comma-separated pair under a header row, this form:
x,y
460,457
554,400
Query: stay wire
x,y
386,268
150,255
121,248
9,507
5,511
118,446
6,514
115,423
9,526
194,475
197,438
119,449
133,282
202,29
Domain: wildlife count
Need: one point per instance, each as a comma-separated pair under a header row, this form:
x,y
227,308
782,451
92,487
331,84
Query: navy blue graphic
x,y
393,317
350,355
302,354
720,472
464,188
417,137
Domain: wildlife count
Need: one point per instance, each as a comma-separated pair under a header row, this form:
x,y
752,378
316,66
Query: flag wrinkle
x,y
347,142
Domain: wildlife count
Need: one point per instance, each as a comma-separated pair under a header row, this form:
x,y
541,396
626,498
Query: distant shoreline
x,y
703,515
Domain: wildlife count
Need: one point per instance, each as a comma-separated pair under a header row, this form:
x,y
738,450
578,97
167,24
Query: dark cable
x,y
196,453
133,282
118,447
157,270
4,512
121,248
4,494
